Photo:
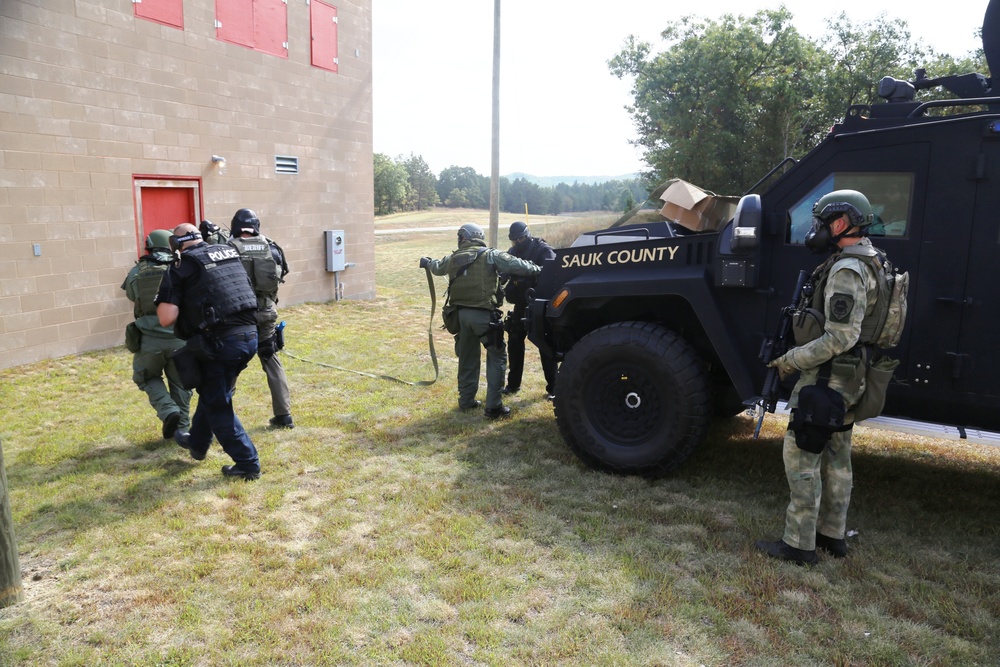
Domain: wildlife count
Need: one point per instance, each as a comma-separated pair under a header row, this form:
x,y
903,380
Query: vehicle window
x,y
890,194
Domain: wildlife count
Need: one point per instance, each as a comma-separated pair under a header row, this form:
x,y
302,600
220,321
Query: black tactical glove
x,y
425,262
207,228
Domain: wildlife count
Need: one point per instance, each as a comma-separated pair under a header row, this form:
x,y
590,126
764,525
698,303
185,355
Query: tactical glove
x,y
785,368
425,262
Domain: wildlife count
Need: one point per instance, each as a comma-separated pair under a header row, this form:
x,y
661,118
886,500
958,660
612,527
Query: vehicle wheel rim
x,y
626,405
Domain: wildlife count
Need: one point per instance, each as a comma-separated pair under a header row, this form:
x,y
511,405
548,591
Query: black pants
x,y
515,353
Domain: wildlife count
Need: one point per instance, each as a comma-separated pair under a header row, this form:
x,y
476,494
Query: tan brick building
x,y
117,118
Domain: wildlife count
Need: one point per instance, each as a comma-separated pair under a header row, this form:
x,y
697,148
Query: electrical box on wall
x,y
335,255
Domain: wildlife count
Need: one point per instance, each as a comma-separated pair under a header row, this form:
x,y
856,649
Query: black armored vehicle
x,y
659,328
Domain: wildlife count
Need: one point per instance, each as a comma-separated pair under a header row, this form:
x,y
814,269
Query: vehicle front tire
x,y
632,398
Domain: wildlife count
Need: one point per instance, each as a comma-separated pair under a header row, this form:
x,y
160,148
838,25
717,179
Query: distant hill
x,y
552,181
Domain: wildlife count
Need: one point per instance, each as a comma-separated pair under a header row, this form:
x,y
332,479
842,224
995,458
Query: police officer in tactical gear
x,y
473,286
208,299
536,251
817,444
265,264
152,360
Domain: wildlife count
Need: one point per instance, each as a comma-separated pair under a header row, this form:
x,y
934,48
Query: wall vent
x,y
286,164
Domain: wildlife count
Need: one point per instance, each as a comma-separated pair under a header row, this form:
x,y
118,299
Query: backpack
x,y
893,288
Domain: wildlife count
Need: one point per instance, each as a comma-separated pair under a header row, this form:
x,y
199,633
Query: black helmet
x,y
158,239
470,231
245,221
518,230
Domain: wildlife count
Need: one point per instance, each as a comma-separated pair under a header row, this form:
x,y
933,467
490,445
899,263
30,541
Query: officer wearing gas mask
x,y
265,264
817,444
151,358
207,297
473,286
536,251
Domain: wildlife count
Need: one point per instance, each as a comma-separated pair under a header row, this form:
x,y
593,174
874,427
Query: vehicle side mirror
x,y
746,224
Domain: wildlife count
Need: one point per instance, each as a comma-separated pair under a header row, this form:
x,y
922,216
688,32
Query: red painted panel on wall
x,y
167,12
324,35
271,27
236,21
165,208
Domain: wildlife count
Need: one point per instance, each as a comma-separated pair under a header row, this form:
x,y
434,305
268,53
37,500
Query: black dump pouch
x,y
819,415
267,348
449,315
133,337
188,367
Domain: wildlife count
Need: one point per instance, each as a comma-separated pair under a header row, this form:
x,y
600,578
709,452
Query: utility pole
x,y
11,591
495,167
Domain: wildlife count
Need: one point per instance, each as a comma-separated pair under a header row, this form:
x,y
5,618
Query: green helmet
x,y
851,202
159,239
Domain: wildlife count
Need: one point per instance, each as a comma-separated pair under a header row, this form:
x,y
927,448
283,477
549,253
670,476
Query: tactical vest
x,y
147,282
876,314
222,289
255,253
477,286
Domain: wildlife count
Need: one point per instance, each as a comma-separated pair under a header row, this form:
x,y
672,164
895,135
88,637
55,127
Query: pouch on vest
x,y
188,367
850,369
449,315
819,415
133,337
876,385
807,325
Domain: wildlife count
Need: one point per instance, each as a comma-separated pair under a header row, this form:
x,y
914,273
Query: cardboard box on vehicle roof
x,y
696,209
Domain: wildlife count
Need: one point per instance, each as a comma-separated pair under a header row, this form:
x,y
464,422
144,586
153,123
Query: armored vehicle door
x,y
974,363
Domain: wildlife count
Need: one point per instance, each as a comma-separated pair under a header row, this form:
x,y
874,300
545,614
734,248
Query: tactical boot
x,y
510,390
184,440
472,406
783,551
834,547
245,475
170,424
496,413
282,421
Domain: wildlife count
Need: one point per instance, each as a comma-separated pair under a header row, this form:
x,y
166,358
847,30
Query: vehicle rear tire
x,y
632,398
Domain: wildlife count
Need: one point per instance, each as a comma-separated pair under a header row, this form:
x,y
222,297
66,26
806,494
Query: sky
x,y
562,113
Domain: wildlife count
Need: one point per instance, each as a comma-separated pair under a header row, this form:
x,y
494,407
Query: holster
x,y
494,335
203,347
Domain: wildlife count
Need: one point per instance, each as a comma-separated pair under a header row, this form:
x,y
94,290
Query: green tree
x,y
390,185
729,99
423,184
475,188
721,105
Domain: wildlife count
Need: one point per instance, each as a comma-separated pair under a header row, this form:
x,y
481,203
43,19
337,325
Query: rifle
x,y
775,346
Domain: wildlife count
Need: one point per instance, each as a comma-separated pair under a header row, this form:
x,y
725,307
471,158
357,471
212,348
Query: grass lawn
x,y
390,529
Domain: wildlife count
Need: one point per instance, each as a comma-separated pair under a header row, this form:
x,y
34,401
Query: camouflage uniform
x,y
153,359
475,292
820,484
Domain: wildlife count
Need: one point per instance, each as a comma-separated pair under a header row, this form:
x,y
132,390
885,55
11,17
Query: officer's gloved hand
x,y
207,228
425,262
785,369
